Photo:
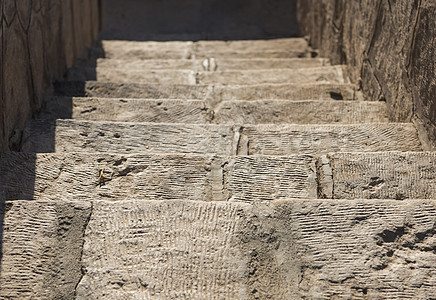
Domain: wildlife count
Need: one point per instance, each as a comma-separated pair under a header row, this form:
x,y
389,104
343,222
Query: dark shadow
x,y
170,20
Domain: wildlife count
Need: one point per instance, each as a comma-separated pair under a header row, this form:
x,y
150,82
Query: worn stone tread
x,y
41,248
350,249
389,175
309,91
222,64
166,249
226,112
286,139
285,48
269,139
75,176
329,74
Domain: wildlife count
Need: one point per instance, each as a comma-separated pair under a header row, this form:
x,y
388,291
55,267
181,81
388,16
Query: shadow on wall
x,y
198,19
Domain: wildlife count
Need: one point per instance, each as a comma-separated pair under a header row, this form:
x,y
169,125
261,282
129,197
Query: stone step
x,y
165,249
390,175
226,112
312,91
76,176
330,74
124,137
283,48
42,245
213,65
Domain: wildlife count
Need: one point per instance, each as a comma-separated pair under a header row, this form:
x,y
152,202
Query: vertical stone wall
x,y
390,46
39,40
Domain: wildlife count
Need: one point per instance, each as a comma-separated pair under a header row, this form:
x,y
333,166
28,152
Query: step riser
x,y
85,136
215,178
155,177
298,76
42,245
185,50
148,246
211,65
217,93
227,112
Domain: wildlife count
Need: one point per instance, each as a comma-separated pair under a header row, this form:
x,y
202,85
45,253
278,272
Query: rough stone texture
x,y
379,249
389,175
166,250
123,137
352,249
223,64
217,93
42,248
75,176
307,75
226,112
198,19
39,40
279,48
390,47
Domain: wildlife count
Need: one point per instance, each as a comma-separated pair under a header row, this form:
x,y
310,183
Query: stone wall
x,y
39,40
389,46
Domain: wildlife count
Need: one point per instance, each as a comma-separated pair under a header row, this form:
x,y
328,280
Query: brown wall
x,y
39,40
390,46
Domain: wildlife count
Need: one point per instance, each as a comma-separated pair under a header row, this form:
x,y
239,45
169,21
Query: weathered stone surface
x,y
75,176
71,135
349,249
41,248
148,76
226,112
281,48
247,92
172,250
387,175
210,64
37,51
287,249
286,139
122,137
330,74
299,112
423,70
224,47
389,45
147,50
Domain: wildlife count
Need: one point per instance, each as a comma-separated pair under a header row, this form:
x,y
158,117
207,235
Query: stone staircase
x,y
216,170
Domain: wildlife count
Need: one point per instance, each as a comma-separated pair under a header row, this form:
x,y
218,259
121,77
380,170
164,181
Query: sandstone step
x,y
165,249
212,65
41,248
390,175
282,48
329,74
147,50
124,137
90,72
256,45
76,176
227,112
319,91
